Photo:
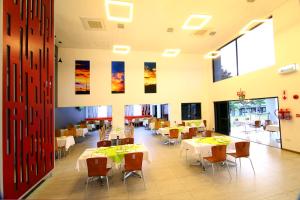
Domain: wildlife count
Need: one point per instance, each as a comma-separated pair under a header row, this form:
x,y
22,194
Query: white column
x,y
118,115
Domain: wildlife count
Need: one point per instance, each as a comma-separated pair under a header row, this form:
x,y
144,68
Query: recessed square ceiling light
x,y
121,49
253,23
115,10
171,52
212,54
196,22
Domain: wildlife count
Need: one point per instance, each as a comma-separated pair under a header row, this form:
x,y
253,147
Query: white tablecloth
x,y
114,134
88,153
272,128
66,141
165,131
81,131
203,150
90,127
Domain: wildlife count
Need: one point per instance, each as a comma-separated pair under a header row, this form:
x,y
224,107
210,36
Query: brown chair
x,y
193,131
97,167
104,143
257,124
207,133
267,122
166,124
187,135
173,136
241,151
127,141
133,163
218,156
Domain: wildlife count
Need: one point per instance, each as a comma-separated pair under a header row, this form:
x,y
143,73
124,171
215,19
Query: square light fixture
x,y
253,23
121,49
109,4
171,52
196,22
212,54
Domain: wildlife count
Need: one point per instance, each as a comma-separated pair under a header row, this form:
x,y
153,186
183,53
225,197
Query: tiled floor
x,y
168,176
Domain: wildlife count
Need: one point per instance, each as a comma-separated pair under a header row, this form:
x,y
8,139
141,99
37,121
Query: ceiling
x,y
151,18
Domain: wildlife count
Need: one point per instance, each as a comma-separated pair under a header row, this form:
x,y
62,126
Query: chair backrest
x,y
173,133
186,135
218,153
193,131
157,125
104,143
268,122
133,161
70,132
257,123
57,133
166,124
127,141
207,133
242,149
97,166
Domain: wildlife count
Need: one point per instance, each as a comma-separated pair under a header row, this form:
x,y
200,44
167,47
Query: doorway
x,y
222,118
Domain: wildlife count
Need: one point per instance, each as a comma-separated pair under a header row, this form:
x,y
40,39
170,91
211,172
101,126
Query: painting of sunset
x,y
117,77
150,77
82,77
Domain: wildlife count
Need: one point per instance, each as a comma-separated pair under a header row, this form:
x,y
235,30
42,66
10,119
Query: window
x,y
225,66
248,53
190,111
256,49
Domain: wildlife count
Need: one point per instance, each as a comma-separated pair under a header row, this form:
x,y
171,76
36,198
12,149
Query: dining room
x,y
149,99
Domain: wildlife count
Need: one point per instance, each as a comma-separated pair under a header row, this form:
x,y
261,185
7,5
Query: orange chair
x,y
97,167
133,163
241,151
127,141
218,156
207,133
187,135
104,143
173,136
193,131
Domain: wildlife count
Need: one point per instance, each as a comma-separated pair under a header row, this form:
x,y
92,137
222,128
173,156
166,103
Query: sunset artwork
x,y
150,77
82,77
118,77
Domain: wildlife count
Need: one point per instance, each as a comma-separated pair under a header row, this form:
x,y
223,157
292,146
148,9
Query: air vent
x,y
121,26
200,32
92,24
170,30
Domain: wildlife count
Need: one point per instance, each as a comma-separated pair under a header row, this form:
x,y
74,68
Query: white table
x,y
203,150
272,128
91,127
88,153
81,131
115,133
65,141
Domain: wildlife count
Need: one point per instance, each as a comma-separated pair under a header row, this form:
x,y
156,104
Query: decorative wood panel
x,y
28,136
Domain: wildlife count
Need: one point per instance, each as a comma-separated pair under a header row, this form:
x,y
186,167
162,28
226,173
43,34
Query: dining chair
x,y
133,163
173,136
257,124
207,133
127,141
104,143
218,156
97,167
241,151
59,150
193,131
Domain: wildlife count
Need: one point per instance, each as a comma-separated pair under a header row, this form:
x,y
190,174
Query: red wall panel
x,y
28,136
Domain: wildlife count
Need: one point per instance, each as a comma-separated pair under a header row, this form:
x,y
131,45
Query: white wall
x,y
1,70
179,80
267,82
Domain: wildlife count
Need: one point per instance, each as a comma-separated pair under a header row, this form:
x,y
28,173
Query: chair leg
x,y
143,178
252,165
240,164
228,168
124,179
212,165
235,166
107,182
